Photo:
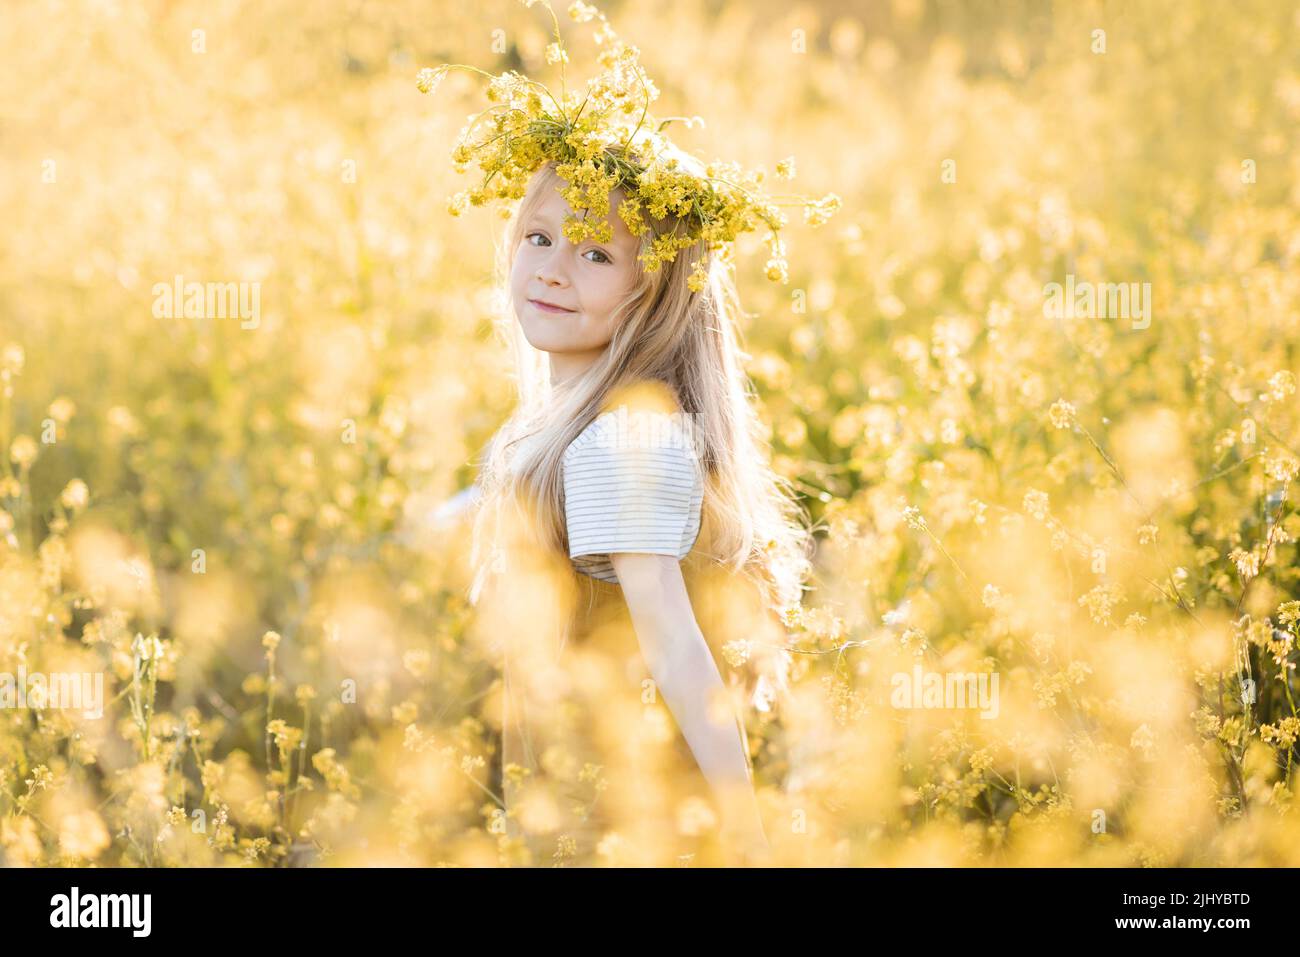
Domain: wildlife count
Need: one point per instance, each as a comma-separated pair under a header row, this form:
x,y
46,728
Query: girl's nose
x,y
551,272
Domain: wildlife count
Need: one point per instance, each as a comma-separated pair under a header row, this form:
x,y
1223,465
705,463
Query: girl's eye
x,y
603,260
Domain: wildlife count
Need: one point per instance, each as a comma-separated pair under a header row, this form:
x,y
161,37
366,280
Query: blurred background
x,y
235,519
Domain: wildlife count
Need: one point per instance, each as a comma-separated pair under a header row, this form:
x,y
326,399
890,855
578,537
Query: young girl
x,y
654,523
633,550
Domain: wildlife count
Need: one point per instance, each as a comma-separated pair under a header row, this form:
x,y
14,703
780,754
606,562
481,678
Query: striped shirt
x,y
631,491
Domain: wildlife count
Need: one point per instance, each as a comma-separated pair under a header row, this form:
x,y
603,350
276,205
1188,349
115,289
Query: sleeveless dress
x,y
595,769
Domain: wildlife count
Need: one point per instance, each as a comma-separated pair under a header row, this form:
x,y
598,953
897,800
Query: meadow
x,y
235,519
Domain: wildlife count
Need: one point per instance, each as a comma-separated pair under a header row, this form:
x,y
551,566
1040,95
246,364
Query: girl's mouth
x,y
547,308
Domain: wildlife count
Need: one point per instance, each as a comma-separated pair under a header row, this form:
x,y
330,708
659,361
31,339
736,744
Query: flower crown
x,y
608,139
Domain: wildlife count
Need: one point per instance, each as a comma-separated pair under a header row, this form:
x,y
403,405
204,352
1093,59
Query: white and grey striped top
x,y
631,491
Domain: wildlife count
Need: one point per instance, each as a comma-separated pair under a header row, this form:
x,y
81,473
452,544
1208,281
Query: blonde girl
x,y
592,330
634,554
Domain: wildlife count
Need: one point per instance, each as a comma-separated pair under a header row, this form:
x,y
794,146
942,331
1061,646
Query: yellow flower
x,y
1282,467
1062,414
336,776
83,835
1035,504
417,662
271,641
1100,601
608,138
792,615
456,205
406,712
286,736
253,684
427,80
1281,385
1247,562
1288,613
75,495
777,270
23,451
914,518
62,409
817,213
736,652
149,649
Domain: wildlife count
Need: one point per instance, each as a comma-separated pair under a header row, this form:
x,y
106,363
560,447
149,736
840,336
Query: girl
x,y
655,522
633,551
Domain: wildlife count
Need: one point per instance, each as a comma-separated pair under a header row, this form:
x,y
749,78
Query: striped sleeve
x,y
625,493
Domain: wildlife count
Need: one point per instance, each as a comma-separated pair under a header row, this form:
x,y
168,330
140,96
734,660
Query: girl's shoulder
x,y
642,417
640,431
632,483
631,488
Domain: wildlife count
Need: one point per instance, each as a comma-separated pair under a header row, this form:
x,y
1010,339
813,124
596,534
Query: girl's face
x,y
586,282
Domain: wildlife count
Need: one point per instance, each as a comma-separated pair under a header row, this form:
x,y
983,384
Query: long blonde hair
x,y
689,342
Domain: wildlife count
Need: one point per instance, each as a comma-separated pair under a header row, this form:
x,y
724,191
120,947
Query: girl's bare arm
x,y
682,666
457,506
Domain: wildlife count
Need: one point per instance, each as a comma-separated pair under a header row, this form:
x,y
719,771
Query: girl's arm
x,y
457,507
422,518
682,666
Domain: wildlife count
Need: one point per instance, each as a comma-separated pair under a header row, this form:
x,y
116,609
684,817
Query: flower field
x,y
1035,381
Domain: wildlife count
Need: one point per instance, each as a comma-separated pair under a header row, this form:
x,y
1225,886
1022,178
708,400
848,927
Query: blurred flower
x,y
83,835
63,409
1281,385
736,652
1062,414
915,520
897,616
11,360
75,495
1035,503
23,451
427,79
417,662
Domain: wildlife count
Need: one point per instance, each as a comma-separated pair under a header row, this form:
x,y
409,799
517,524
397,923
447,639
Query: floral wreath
x,y
608,138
